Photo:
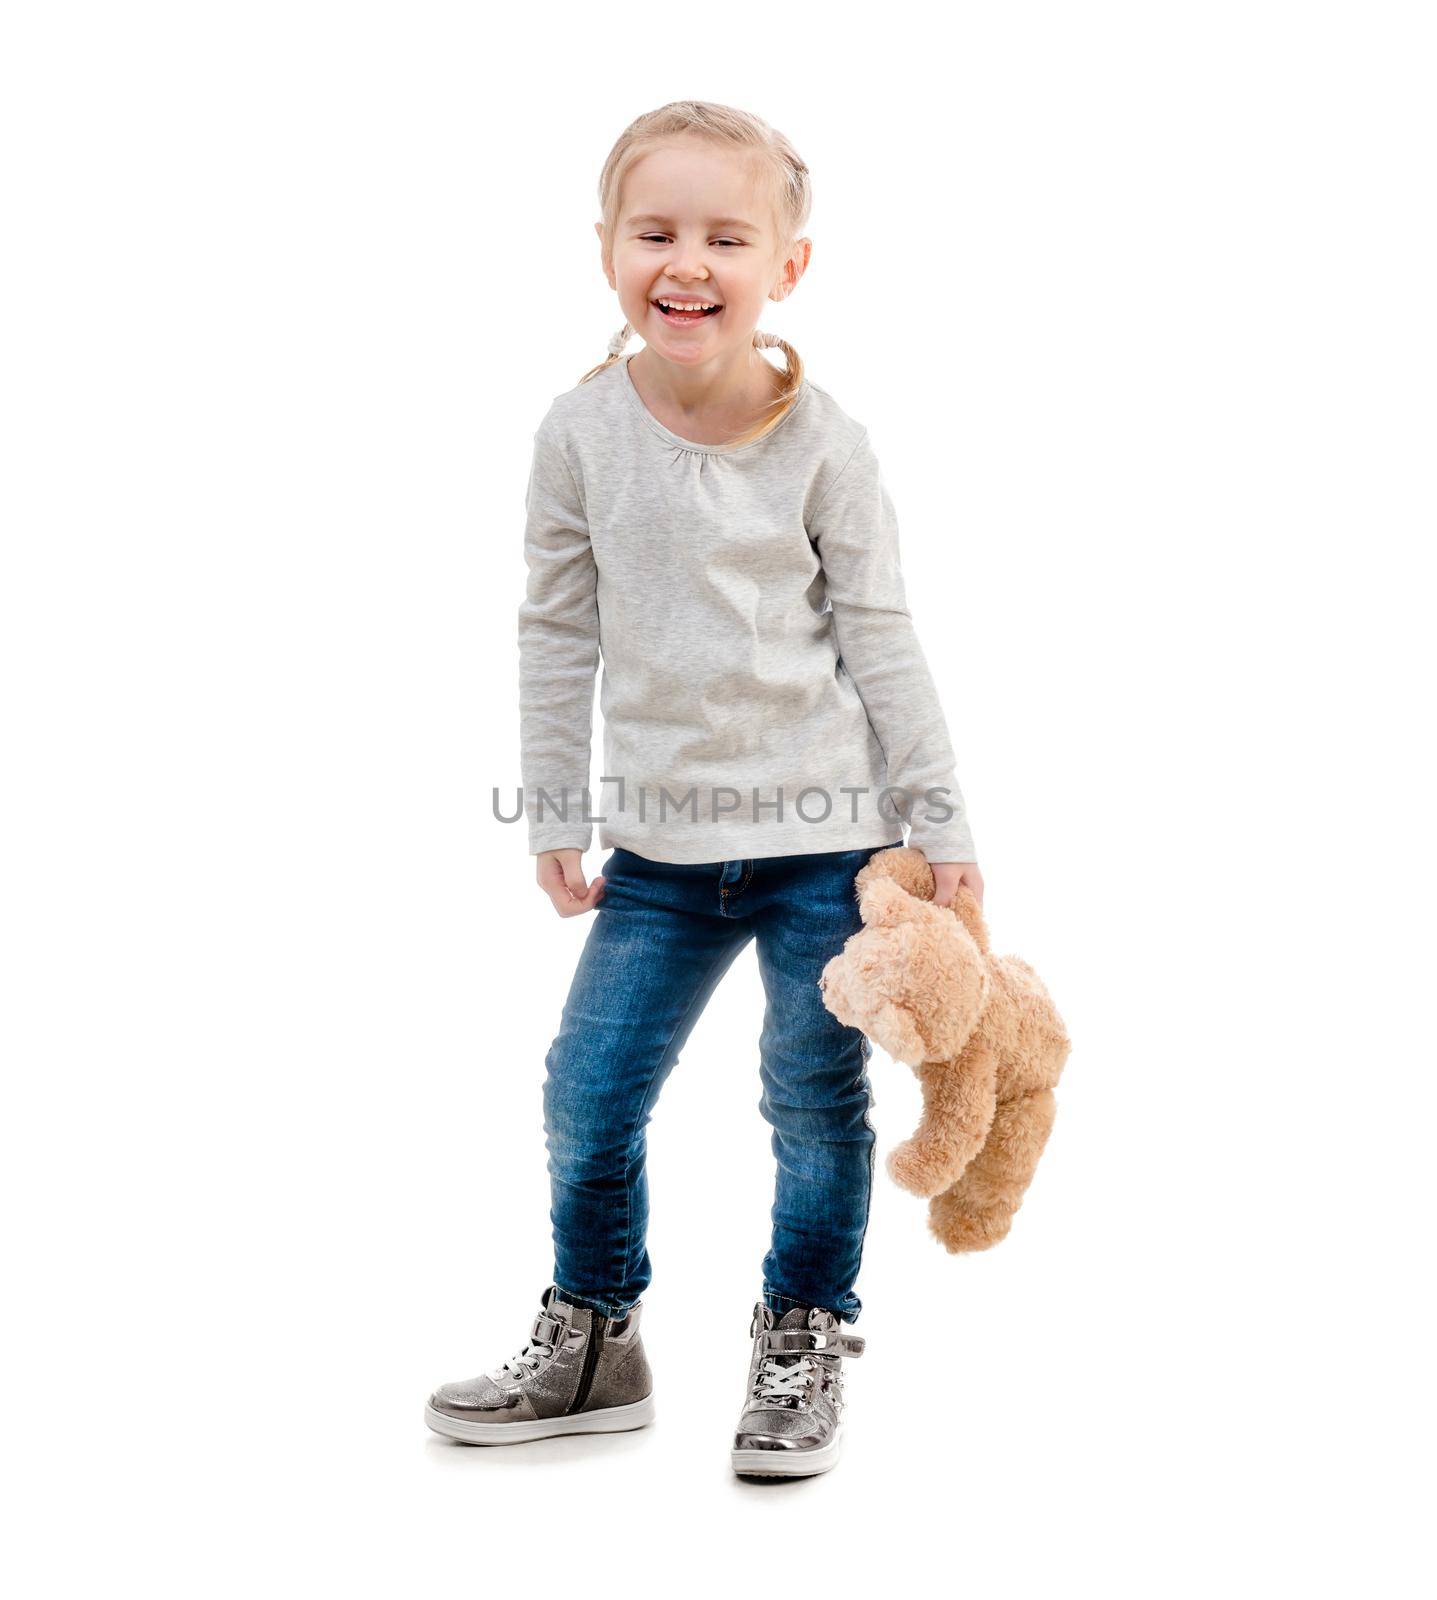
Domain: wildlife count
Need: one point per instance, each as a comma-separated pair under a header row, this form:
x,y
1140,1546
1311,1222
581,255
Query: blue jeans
x,y
663,936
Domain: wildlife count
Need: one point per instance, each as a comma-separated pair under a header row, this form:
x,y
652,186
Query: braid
x,y
617,346
793,375
762,340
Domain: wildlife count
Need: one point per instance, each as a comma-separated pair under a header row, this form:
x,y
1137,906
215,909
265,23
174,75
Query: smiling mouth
x,y
681,314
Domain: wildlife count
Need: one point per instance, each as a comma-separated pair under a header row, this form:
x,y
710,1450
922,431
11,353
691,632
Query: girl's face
x,y
696,225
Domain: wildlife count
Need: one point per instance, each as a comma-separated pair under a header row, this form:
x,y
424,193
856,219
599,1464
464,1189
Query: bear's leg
x,y
978,1210
957,1112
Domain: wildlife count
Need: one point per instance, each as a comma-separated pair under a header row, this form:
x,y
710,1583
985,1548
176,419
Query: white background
x,y
1137,303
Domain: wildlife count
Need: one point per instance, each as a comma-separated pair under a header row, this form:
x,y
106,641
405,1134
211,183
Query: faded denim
x,y
662,937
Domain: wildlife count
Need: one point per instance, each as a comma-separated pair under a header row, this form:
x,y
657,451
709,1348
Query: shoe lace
x,y
538,1348
784,1377
526,1363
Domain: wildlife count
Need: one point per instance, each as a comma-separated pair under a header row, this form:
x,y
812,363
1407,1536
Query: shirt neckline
x,y
672,438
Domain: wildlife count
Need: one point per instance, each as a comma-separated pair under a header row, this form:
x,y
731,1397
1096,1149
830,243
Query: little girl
x,y
721,532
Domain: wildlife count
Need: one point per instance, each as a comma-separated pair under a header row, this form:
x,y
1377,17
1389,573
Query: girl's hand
x,y
560,874
949,875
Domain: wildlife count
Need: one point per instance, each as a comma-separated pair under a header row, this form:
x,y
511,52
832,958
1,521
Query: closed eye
x,y
658,238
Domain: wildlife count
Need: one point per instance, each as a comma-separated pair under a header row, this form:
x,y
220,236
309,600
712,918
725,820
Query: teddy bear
x,y
980,1031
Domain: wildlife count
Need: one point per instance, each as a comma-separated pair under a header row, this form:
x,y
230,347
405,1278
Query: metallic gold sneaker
x,y
580,1372
792,1421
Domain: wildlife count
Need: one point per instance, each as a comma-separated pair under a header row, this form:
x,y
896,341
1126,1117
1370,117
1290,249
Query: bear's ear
x,y
884,904
892,1028
967,910
905,866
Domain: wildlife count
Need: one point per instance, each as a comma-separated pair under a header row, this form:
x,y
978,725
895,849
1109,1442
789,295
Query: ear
x,y
605,259
905,866
967,910
882,903
894,1030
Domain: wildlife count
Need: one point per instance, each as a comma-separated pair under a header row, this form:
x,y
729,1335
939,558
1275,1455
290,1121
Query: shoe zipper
x,y
597,1323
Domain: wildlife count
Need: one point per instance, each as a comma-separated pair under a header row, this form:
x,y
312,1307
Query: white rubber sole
x,y
787,1463
610,1419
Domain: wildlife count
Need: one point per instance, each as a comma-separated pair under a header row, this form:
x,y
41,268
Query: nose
x,y
686,264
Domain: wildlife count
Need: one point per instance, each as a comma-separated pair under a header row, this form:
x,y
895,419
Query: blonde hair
x,y
793,199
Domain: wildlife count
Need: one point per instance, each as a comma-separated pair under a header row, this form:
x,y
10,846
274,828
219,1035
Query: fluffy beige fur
x,y
981,1033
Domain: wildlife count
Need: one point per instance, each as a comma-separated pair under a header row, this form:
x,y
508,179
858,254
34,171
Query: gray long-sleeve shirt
x,y
763,692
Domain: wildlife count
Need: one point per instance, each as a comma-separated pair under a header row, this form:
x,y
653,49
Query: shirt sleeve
x,y
558,653
855,531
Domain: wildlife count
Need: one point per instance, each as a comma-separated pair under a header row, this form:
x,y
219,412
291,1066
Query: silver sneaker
x,y
580,1372
792,1422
